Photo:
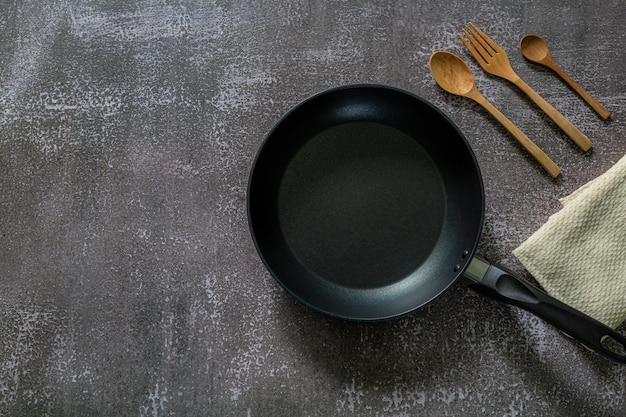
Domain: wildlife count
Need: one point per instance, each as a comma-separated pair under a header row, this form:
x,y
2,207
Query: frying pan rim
x,y
468,150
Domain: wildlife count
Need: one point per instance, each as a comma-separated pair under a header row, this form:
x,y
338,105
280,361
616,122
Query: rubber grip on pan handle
x,y
503,285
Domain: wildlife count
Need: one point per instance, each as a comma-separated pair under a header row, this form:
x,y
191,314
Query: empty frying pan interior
x,y
365,202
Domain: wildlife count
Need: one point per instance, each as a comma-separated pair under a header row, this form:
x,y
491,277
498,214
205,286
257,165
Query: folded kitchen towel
x,y
579,255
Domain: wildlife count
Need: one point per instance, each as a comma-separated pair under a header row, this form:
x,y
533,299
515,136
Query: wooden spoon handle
x,y
597,107
572,131
536,152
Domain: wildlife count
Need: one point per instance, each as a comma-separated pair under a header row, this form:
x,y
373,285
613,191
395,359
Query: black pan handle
x,y
503,285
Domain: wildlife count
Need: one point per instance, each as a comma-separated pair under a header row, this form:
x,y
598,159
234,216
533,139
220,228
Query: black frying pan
x,y
366,202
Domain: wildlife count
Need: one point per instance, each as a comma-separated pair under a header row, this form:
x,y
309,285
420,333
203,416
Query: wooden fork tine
x,y
480,44
486,40
475,53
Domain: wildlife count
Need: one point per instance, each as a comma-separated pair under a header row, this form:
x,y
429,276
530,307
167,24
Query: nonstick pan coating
x,y
365,202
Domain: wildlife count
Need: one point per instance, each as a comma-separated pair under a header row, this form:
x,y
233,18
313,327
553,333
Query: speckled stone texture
x,y
129,284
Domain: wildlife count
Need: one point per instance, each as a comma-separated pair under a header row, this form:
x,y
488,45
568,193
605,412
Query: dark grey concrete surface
x,y
129,284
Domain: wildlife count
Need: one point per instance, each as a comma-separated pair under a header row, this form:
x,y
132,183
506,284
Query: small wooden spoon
x,y
535,49
454,76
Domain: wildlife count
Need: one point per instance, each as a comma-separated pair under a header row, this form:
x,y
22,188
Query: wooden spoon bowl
x,y
535,49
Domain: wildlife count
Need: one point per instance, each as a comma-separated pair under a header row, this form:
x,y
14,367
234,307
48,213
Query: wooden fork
x,y
492,58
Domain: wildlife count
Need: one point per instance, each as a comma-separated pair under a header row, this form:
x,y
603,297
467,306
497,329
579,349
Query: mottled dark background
x,y
129,284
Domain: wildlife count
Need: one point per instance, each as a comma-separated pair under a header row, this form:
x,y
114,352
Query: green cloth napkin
x,y
579,255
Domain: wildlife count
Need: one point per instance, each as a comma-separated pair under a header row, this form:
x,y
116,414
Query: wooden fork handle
x,y
572,131
536,152
597,107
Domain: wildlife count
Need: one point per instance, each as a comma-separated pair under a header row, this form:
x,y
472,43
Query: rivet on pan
x,y
457,267
465,253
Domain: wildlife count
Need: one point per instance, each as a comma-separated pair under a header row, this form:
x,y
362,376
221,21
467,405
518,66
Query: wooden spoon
x,y
454,76
535,49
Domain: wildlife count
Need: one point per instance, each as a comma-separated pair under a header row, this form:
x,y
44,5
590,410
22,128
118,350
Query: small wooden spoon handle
x,y
597,107
536,152
572,131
